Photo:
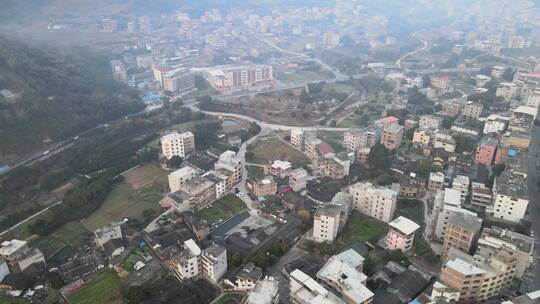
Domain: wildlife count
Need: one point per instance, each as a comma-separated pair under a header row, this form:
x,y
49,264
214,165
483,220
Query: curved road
x,y
398,62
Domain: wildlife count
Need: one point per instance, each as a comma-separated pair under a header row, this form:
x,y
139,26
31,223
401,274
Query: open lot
x,y
72,233
231,298
146,175
334,139
361,227
222,209
103,289
273,149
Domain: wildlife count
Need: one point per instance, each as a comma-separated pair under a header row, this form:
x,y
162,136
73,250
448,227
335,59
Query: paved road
x,y
424,46
534,202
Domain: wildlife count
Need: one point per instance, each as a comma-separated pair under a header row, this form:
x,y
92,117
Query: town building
x,y
175,144
220,182
266,291
422,136
478,278
239,77
482,196
316,149
462,230
299,137
230,165
461,183
377,202
385,122
343,273
144,61
334,167
326,223
440,83
278,168
497,71
495,238
214,262
362,156
298,179
178,82
495,124
245,279
264,187
473,109
467,125
507,90
428,121
392,136
400,234
182,175
197,194
352,140
436,181
119,71
510,197
187,264
486,150
305,290
452,108
443,140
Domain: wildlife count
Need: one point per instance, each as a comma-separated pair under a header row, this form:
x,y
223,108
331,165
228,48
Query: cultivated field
x,y
222,209
105,288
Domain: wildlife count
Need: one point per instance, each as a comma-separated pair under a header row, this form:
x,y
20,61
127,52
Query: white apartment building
x,y
231,78
482,196
214,262
355,139
299,137
532,99
497,71
461,183
495,124
264,292
377,202
443,140
298,179
220,182
343,273
187,264
436,181
326,223
175,144
180,176
305,290
473,109
231,165
507,90
178,82
430,122
510,198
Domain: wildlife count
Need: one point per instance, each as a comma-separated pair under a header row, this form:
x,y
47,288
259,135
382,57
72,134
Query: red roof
x,y
325,148
388,120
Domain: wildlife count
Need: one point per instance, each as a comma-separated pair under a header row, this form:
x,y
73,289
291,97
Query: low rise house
x,y
397,284
278,168
298,179
305,290
245,279
264,187
264,292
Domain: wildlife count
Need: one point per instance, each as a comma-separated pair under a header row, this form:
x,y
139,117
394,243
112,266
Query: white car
x,y
241,193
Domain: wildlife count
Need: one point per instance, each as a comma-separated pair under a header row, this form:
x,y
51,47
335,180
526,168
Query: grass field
x,y
71,233
411,209
300,76
222,209
274,149
103,289
146,175
256,172
360,227
334,139
231,298
122,202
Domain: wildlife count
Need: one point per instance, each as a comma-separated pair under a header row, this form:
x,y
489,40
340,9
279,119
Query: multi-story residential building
x,y
175,144
401,234
299,137
278,168
195,194
182,175
473,109
422,136
187,264
119,71
266,291
495,124
263,187
10,251
461,183
220,182
478,278
343,273
239,77
532,98
461,232
331,40
326,223
430,122
362,156
510,198
305,290
316,149
440,83
178,82
436,181
507,90
334,167
482,196
452,108
481,80
355,139
467,125
497,71
443,140
495,238
230,165
392,136
376,202
485,152
384,122
298,179
144,61
448,203
214,262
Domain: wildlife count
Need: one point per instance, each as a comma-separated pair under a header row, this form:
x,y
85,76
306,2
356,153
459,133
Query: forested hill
x,y
55,96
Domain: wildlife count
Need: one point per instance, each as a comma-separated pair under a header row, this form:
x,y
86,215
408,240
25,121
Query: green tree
x,y
379,157
175,162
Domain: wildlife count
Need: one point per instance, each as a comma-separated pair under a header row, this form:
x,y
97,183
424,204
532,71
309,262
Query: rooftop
x,y
10,247
264,292
511,184
404,225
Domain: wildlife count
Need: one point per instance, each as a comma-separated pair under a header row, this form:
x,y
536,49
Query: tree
x,y
175,162
508,74
254,128
379,157
426,81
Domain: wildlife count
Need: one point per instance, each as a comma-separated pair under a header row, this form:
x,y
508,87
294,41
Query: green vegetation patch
x,y
105,288
334,139
222,209
231,298
274,149
72,233
363,228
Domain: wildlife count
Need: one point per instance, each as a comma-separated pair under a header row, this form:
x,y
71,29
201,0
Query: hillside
x,y
55,96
